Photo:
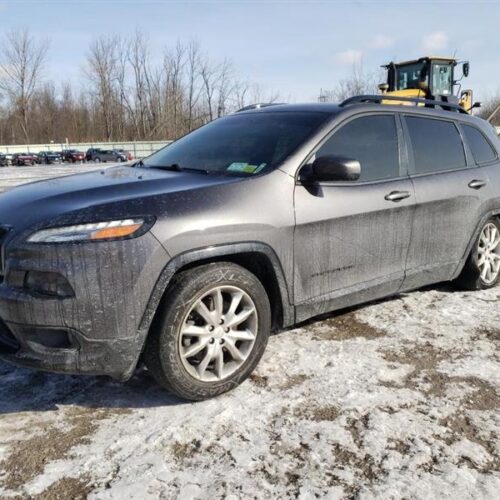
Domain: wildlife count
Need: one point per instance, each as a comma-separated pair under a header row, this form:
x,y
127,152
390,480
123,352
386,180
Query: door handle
x,y
477,184
397,195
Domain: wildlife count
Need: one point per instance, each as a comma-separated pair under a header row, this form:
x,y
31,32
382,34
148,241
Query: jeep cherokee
x,y
254,222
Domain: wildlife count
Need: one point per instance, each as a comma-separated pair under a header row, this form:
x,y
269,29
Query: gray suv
x,y
257,221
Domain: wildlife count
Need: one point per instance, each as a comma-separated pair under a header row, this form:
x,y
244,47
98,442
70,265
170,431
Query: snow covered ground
x,y
395,399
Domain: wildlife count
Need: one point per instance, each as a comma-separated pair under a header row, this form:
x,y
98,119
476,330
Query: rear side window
x,y
373,141
437,145
482,151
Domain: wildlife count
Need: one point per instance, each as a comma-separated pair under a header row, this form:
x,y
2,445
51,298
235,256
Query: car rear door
x,y
450,192
351,238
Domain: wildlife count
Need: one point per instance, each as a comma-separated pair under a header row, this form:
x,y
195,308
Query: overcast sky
x,y
294,47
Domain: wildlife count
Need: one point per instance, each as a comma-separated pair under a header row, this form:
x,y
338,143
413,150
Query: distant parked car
x,y
3,160
127,154
73,155
20,159
9,157
91,153
49,157
112,155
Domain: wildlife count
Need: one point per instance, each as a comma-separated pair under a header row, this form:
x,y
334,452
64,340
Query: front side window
x,y
437,145
442,83
480,147
241,144
373,141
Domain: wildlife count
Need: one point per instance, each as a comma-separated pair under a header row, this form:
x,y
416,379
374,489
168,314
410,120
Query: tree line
x,y
128,92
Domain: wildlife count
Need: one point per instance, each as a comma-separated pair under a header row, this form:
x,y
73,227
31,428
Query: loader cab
x,y
427,77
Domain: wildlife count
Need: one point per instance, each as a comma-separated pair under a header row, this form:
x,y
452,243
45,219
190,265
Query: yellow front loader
x,y
427,78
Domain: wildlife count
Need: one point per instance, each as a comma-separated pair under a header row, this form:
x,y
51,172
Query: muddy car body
x,y
338,205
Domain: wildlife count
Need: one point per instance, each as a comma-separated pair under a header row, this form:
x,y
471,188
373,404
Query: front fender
x,y
214,252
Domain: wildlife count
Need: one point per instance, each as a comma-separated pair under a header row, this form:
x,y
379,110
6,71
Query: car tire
x,y
97,160
482,268
182,340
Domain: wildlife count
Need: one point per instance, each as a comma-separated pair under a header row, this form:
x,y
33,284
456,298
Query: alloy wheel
x,y
488,260
218,333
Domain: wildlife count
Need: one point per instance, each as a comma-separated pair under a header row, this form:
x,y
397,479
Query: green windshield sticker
x,y
245,167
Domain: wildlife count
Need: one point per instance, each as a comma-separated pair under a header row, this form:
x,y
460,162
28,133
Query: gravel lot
x,y
395,399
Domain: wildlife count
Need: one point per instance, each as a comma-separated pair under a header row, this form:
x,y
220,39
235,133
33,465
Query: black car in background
x,y
3,160
105,155
91,154
49,157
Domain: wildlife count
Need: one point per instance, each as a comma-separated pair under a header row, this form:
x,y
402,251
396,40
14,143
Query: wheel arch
x,y
488,215
258,258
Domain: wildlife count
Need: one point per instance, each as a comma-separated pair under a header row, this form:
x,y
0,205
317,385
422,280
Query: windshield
x,y
245,144
409,75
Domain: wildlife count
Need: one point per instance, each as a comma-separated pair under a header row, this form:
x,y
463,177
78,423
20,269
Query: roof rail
x,y
259,105
428,103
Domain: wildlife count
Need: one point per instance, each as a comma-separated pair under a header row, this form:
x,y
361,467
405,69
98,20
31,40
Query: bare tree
x,y
22,61
173,66
490,109
102,70
127,97
357,83
209,76
192,76
225,87
240,94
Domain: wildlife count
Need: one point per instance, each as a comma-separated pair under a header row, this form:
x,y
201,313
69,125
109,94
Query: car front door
x,y
450,193
351,238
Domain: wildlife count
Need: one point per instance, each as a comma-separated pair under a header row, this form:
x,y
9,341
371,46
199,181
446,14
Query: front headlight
x,y
96,231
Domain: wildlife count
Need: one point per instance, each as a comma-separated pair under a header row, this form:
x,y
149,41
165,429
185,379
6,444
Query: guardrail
x,y
139,149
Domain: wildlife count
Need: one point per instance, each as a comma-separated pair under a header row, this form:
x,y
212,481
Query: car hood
x,y
43,201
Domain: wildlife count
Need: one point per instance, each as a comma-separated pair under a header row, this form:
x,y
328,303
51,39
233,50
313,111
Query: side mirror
x,y
465,69
384,88
335,168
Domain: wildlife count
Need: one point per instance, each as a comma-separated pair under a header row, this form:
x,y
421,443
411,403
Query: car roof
x,y
322,107
334,109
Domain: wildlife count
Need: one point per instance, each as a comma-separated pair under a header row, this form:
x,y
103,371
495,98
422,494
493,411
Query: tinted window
x,y
241,144
373,141
437,145
480,147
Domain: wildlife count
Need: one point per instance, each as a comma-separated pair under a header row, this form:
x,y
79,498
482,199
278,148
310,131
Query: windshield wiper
x,y
140,163
177,168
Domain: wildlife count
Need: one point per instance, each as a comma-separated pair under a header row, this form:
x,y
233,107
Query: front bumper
x,y
96,332
21,345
